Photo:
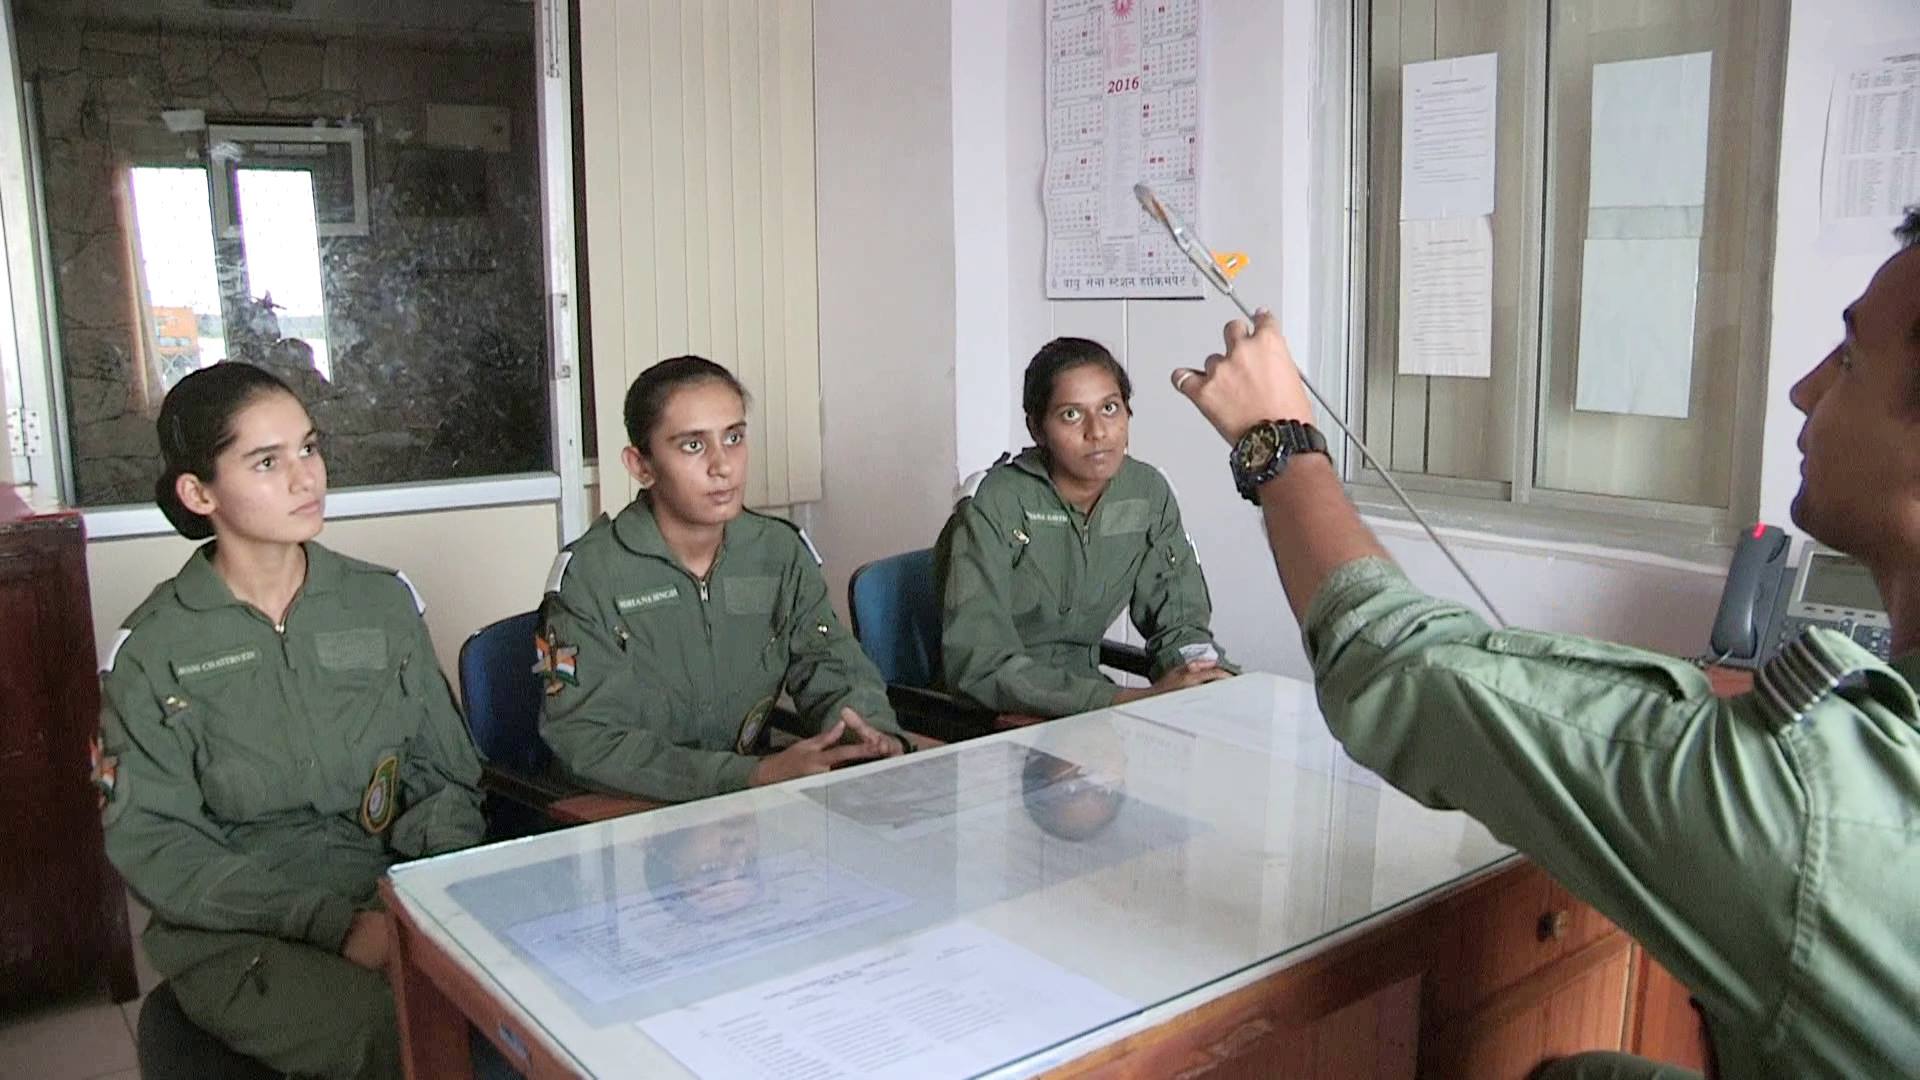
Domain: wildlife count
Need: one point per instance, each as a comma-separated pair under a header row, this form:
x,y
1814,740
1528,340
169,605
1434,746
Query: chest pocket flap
x,y
1125,516
352,650
750,595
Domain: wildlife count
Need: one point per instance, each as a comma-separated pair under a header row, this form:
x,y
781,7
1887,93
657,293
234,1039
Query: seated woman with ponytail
x,y
672,630
275,733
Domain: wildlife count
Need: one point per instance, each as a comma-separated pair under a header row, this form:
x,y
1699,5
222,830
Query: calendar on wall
x,y
1123,107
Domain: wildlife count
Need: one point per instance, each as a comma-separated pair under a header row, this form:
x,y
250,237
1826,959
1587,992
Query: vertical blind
x,y
697,120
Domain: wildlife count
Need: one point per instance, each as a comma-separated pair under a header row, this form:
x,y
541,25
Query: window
x,y
1606,248
350,197
180,290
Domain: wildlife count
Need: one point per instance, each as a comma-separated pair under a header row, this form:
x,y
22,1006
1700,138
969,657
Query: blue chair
x,y
895,608
894,604
501,694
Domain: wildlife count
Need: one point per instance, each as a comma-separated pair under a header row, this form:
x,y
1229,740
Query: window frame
x,y
1519,508
34,331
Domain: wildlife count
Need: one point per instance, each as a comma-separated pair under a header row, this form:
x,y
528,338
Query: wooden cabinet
x,y
1486,983
63,912
1525,972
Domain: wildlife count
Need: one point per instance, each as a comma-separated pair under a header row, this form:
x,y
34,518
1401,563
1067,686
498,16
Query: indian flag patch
x,y
105,771
558,664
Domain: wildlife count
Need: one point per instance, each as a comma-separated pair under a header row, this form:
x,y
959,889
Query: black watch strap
x,y
1264,451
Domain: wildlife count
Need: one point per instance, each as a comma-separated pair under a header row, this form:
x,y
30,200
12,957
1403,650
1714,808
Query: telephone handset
x,y
1747,602
1766,600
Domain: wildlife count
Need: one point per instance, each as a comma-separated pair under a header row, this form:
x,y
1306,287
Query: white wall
x,y
1262,95
1261,100
884,137
984,385
1811,286
500,567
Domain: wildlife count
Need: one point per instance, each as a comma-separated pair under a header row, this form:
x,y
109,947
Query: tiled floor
x,y
86,1038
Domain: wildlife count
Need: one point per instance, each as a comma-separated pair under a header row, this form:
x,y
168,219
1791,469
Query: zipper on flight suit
x,y
1077,573
307,764
280,628
251,973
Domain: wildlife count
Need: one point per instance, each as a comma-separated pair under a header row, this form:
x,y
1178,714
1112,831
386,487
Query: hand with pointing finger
x,y
1254,380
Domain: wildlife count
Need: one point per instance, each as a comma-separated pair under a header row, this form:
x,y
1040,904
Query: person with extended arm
x,y
1762,848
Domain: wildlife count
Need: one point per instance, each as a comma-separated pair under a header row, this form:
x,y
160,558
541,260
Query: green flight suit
x,y
257,782
660,684
1029,586
1766,849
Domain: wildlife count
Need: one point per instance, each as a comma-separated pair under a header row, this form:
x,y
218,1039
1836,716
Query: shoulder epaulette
x,y
361,566
1805,670
805,540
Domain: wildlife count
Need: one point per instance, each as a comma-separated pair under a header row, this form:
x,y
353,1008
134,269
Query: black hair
x,y
1908,234
1060,355
647,397
1075,812
196,426
673,882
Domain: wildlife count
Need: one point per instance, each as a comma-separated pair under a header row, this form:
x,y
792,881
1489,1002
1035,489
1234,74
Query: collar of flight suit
x,y
201,588
639,532
1033,462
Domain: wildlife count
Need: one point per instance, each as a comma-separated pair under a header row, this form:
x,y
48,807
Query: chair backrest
x,y
895,604
502,694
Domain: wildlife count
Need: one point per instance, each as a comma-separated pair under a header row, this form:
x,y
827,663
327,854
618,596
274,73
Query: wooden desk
x,y
1276,909
1475,983
1730,682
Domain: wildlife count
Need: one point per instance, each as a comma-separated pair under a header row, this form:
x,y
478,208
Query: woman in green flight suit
x,y
275,733
1052,545
670,631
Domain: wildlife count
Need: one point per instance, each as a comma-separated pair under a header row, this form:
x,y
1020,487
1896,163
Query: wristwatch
x,y
1262,453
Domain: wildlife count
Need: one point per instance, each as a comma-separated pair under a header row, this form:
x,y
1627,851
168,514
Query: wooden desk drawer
x,y
1503,936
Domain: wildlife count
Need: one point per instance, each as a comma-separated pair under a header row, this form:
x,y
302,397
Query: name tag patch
x,y
628,604
1047,517
217,665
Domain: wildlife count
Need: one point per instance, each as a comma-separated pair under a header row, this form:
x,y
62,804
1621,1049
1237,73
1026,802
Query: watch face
x,y
1260,448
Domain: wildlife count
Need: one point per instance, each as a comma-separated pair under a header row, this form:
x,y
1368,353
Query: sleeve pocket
x,y
1603,661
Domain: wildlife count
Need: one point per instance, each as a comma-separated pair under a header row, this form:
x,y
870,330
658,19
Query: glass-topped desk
x,y
1001,907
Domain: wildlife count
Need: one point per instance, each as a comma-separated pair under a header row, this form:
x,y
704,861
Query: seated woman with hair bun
x,y
671,631
275,733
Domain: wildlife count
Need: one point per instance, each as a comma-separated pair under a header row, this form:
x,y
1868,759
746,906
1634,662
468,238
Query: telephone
x,y
1767,600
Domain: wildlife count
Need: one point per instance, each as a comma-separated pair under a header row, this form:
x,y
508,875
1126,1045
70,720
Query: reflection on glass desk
x,y
1002,905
